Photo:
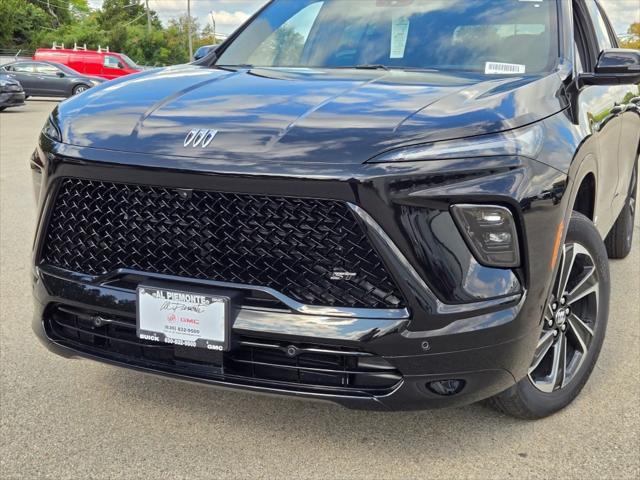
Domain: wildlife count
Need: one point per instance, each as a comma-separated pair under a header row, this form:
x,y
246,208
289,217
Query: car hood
x,y
310,115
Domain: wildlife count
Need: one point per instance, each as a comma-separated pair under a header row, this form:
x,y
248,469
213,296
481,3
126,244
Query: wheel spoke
x,y
556,377
581,331
568,257
559,368
587,285
544,344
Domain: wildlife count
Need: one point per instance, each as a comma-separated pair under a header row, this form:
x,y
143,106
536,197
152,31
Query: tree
x,y
119,24
634,37
19,22
121,13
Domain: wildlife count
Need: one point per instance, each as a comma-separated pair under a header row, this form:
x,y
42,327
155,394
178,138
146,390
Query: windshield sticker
x,y
502,68
399,34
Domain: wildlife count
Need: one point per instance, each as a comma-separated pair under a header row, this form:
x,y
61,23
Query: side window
x,y
599,25
23,67
44,69
285,46
111,62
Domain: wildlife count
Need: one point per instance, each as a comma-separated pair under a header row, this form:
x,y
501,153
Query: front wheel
x,y
78,89
575,321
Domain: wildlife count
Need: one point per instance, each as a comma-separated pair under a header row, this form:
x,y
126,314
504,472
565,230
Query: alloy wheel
x,y
79,89
569,321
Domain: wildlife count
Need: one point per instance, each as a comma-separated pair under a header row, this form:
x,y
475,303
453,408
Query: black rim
x,y
569,321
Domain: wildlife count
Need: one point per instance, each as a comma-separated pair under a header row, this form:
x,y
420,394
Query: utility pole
x,y
148,16
189,30
213,22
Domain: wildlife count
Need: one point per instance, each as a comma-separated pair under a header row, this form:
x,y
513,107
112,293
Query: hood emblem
x,y
200,138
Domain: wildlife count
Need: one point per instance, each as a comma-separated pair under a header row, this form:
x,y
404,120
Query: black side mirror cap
x,y
60,74
615,66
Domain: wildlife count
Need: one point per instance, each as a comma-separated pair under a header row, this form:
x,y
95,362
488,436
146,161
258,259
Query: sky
x,y
229,14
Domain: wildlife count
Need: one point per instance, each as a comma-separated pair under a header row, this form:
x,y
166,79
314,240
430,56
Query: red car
x,y
99,63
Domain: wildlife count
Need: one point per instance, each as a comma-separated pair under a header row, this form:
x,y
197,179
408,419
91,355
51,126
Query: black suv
x,y
385,204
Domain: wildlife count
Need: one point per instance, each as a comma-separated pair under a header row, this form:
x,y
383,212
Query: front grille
x,y
293,245
250,361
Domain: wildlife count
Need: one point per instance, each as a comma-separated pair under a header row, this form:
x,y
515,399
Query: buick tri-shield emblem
x,y
200,138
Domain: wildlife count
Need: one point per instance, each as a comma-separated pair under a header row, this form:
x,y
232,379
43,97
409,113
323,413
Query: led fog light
x,y
490,232
446,387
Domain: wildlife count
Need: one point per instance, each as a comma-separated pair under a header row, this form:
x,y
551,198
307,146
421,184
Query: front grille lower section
x,y
250,361
306,249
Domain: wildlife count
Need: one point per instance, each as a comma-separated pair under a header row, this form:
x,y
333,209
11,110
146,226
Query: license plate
x,y
188,319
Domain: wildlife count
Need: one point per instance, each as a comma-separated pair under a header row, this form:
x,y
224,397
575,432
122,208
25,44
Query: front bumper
x,y
486,370
462,322
12,99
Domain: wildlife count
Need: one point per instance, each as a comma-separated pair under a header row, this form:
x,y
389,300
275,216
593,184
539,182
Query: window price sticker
x,y
399,35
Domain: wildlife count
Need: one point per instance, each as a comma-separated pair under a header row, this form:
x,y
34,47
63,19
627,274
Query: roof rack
x,y
55,46
76,47
100,49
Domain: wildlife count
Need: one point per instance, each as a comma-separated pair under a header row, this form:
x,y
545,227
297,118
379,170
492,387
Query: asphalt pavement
x,y
78,419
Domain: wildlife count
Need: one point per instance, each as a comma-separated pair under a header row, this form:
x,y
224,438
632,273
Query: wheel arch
x,y
584,191
585,199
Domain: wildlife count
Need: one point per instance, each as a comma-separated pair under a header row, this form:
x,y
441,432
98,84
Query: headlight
x,y
95,82
525,142
10,87
490,233
51,131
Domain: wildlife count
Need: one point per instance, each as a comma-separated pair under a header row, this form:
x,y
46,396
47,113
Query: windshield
x,y
490,36
130,63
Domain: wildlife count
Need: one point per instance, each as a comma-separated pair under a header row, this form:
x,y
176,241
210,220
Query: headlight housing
x,y
490,232
526,141
10,87
51,131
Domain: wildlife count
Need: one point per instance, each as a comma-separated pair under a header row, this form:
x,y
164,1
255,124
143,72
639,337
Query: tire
x,y
541,393
78,89
620,238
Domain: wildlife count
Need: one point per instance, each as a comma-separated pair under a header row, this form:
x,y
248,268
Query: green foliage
x,y
634,40
19,21
120,24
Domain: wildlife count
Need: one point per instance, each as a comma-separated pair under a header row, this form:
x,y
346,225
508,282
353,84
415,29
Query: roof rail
x,y
55,46
76,47
100,49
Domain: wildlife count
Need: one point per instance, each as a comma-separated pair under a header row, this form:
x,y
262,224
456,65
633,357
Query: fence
x,y
9,55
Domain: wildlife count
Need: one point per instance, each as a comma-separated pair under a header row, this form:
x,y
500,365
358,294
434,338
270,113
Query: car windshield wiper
x,y
371,66
233,68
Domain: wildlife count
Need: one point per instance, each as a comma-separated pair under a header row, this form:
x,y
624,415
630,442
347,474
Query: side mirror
x,y
60,74
120,65
615,66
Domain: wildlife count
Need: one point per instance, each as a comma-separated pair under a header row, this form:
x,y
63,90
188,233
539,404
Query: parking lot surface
x,y
79,419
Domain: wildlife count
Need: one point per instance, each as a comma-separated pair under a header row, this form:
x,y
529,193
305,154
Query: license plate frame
x,y
182,316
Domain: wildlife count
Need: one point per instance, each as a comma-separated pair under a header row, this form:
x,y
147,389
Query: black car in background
x,y
384,204
49,79
11,93
204,51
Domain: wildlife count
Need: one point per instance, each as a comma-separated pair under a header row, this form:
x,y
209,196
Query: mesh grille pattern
x,y
292,245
